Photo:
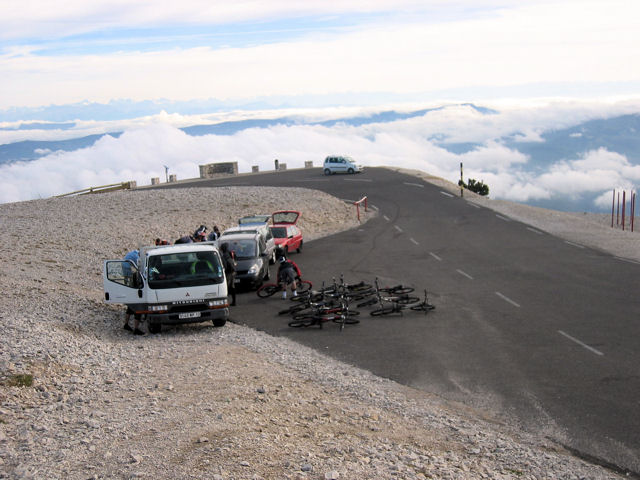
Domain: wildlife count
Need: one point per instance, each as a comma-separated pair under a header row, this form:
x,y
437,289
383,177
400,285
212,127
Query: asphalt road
x,y
529,326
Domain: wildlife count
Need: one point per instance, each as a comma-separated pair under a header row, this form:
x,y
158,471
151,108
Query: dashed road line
x,y
507,299
535,231
414,184
398,228
474,205
386,218
358,180
435,256
446,194
503,218
628,260
582,344
465,274
413,241
577,245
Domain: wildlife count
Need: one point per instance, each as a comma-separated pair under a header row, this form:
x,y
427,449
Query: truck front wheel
x,y
154,327
219,322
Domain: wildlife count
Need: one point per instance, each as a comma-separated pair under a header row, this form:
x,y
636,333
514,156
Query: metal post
x,y
613,204
618,211
461,181
633,208
624,205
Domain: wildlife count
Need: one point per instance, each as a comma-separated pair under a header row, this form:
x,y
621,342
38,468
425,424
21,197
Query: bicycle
x,y
423,306
269,289
353,291
323,313
397,294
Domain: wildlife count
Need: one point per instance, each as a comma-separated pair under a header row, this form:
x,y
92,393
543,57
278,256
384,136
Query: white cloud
x,y
147,145
504,44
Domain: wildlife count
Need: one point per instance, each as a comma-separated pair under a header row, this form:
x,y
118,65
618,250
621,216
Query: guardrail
x,y
101,189
363,200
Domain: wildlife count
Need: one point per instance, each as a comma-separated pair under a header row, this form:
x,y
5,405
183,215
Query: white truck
x,y
171,285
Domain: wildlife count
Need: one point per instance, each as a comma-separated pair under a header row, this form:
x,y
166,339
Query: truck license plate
x,y
189,315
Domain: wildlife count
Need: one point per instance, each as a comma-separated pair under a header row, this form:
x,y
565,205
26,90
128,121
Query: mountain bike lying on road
x,y
268,289
397,294
423,306
321,313
351,291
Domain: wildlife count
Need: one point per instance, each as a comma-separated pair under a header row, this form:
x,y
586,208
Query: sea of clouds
x,y
149,144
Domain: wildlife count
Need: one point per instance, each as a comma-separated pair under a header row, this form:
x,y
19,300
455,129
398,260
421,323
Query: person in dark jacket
x,y
229,264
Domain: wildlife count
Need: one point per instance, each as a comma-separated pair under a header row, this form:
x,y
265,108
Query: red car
x,y
285,232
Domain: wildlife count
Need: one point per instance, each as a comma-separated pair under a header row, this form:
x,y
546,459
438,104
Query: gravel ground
x,y
81,398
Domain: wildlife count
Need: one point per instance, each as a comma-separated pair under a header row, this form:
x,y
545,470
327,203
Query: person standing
x,y
229,264
214,234
133,256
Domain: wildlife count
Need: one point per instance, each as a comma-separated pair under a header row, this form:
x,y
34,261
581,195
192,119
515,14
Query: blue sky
x,y
98,50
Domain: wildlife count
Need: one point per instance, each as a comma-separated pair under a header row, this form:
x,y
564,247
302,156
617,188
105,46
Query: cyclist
x,y
288,273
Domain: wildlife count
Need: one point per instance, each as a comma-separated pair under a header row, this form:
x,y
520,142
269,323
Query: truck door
x,y
122,282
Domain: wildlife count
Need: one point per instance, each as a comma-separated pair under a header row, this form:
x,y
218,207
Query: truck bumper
x,y
175,318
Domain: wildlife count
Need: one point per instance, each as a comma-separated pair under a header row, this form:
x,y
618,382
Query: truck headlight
x,y
158,308
254,269
217,303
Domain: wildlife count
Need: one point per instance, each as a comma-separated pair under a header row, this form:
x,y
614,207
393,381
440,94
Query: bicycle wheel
x,y
348,319
397,290
267,290
423,307
400,290
367,303
407,300
359,287
304,286
303,322
297,308
384,311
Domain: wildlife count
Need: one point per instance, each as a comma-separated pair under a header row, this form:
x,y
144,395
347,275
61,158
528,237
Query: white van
x,y
341,164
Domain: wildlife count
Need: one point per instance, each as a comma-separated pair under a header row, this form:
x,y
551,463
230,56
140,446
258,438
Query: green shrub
x,y
20,380
472,185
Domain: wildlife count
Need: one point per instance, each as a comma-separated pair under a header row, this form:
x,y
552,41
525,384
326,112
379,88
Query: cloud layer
x,y
143,150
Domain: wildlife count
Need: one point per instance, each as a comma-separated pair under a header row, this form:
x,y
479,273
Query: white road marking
x,y
628,260
435,256
464,274
358,180
507,299
503,218
397,228
573,244
386,218
582,344
414,184
473,205
413,241
447,194
535,231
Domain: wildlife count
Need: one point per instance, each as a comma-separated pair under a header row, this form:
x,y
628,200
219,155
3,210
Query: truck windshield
x,y
184,270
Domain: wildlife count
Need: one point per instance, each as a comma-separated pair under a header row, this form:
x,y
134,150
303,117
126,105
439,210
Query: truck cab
x,y
172,284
